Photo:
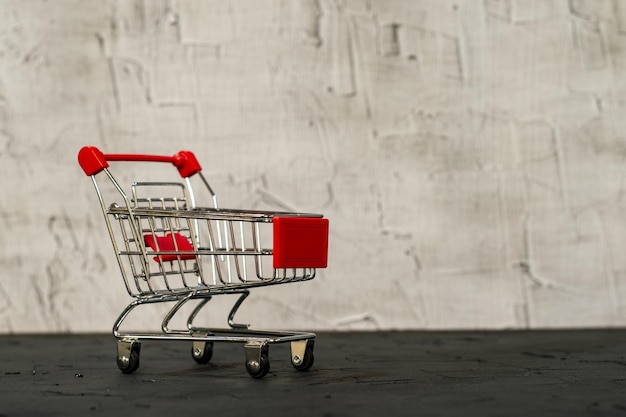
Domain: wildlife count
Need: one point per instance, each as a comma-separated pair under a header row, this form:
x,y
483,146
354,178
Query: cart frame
x,y
159,243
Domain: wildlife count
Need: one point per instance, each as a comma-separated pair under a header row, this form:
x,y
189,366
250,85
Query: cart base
x,y
255,343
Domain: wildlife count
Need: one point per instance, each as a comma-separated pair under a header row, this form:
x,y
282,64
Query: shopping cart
x,y
172,250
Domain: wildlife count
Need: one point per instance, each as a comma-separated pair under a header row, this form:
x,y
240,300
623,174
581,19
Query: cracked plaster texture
x,y
469,154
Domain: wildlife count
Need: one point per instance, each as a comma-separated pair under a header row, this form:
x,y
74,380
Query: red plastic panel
x,y
166,244
300,242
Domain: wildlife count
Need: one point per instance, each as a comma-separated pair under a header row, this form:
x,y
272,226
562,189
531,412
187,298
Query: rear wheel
x,y
128,357
202,352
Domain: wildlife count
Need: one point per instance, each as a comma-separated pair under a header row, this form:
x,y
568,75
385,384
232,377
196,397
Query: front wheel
x,y
303,363
258,369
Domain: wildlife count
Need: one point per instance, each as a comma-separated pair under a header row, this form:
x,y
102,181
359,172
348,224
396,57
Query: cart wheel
x,y
303,363
202,352
129,364
258,369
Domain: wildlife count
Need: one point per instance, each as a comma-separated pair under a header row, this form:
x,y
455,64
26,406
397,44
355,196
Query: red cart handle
x,y
92,160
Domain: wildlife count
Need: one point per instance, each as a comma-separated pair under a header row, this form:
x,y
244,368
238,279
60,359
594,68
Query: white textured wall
x,y
469,154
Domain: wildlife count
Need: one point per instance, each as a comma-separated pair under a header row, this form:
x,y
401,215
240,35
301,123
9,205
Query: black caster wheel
x,y
128,357
258,369
202,352
303,363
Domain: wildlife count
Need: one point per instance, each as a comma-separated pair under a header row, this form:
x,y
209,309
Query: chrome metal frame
x,y
229,254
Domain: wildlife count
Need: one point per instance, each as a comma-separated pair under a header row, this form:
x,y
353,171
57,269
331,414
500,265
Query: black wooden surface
x,y
581,372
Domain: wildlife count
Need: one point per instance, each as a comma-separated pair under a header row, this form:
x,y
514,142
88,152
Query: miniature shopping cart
x,y
172,250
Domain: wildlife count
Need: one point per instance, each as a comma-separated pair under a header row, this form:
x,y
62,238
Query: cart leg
x,y
128,355
302,354
257,359
233,311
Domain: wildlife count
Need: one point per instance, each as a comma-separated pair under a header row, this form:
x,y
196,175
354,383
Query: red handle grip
x,y
92,160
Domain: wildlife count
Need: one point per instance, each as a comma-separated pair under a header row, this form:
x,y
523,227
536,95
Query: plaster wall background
x,y
469,154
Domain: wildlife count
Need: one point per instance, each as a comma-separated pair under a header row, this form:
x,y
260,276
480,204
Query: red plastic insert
x,y
166,244
300,242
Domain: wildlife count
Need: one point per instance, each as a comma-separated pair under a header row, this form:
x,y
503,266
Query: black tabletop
x,y
575,372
